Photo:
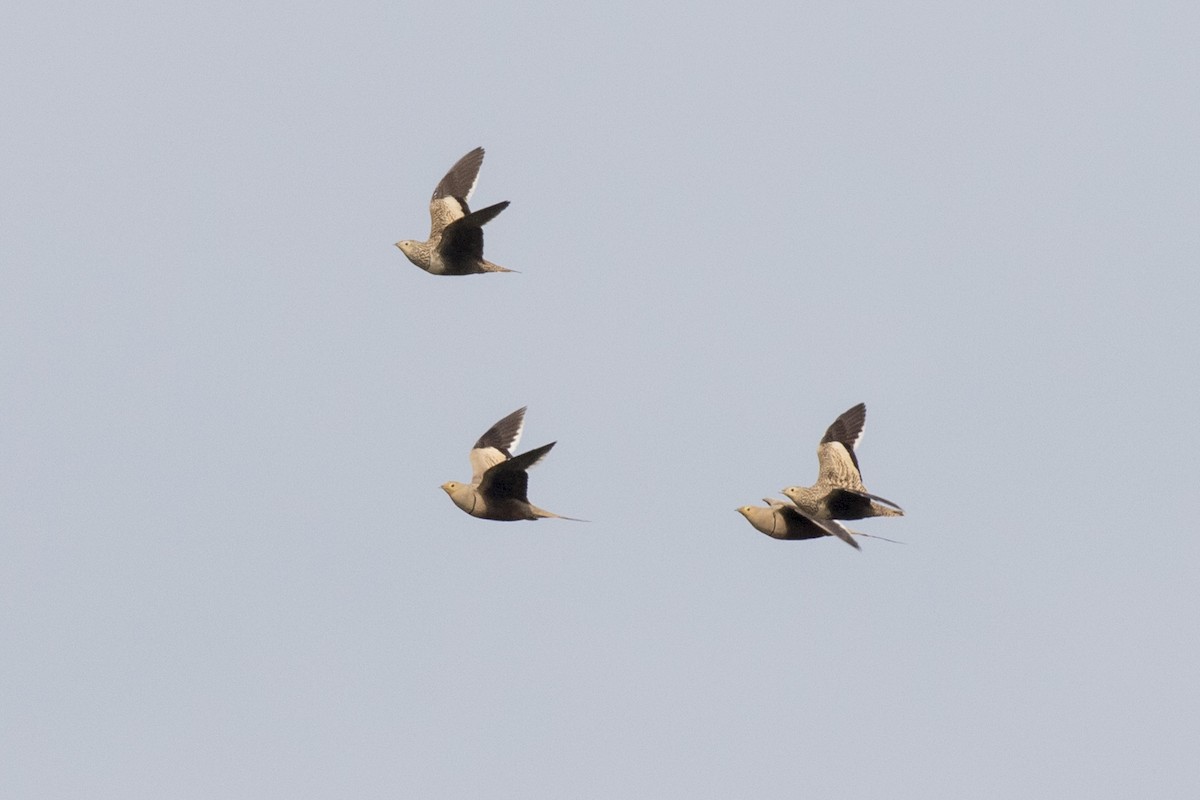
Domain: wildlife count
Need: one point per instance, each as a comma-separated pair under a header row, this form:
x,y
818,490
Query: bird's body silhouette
x,y
781,520
499,480
839,492
455,244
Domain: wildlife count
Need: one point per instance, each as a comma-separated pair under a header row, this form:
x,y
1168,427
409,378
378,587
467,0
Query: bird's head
x,y
406,247
764,520
462,495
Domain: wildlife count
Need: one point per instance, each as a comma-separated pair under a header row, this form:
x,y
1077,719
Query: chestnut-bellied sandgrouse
x,y
499,480
455,245
839,492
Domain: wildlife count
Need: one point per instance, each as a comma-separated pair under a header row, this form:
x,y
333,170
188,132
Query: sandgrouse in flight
x,y
455,245
499,482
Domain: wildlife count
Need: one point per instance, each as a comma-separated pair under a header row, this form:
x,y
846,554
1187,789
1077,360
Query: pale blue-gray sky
x,y
229,400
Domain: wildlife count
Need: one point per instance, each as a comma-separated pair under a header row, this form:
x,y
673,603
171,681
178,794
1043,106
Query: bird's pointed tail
x,y
883,511
873,536
490,267
542,513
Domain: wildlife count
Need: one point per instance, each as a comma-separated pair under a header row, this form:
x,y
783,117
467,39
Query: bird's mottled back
x,y
837,467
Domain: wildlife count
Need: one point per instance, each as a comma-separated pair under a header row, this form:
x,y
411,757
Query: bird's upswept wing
x,y
847,430
496,444
449,201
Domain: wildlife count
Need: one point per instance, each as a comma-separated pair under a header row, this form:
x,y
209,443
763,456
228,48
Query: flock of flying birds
x,y
500,481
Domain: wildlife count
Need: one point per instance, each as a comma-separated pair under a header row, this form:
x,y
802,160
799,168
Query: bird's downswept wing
x,y
843,502
831,527
463,238
509,479
795,524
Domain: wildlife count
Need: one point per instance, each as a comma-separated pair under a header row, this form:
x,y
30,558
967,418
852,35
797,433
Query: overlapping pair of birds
x,y
500,481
